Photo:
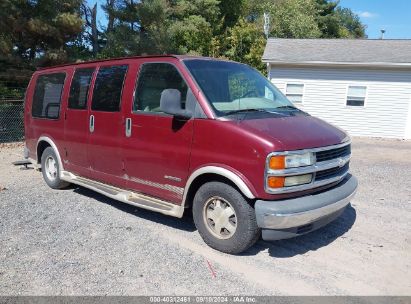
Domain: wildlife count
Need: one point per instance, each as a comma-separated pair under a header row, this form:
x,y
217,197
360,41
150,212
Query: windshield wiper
x,y
287,107
245,111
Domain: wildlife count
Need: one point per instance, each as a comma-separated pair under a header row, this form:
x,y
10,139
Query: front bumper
x,y
292,217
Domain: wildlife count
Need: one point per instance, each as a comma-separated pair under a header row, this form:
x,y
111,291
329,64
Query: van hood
x,y
295,132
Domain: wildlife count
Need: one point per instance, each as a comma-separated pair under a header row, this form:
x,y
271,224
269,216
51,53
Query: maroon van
x,y
169,133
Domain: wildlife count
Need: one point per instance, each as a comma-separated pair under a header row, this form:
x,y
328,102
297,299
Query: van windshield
x,y
232,88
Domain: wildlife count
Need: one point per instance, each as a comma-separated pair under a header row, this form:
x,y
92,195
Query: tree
x,y
246,44
350,24
294,19
35,33
135,27
245,41
109,8
44,32
193,24
154,16
327,21
230,12
33,28
337,22
91,33
160,26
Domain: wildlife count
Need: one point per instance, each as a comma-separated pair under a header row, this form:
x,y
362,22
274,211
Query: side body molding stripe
x,y
219,171
203,170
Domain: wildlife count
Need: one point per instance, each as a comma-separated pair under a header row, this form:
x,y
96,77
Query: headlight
x,y
297,180
288,181
276,180
291,161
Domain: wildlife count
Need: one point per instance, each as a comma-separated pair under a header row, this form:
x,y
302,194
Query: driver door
x,y
157,148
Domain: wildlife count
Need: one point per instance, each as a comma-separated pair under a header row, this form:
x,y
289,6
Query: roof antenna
x,y
382,34
266,24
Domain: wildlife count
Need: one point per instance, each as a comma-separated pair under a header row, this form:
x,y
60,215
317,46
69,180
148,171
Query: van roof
x,y
180,57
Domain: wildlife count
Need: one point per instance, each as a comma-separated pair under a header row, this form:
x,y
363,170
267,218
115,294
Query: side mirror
x,y
170,103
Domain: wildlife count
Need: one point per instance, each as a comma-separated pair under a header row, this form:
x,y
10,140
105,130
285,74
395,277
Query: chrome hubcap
x,y
51,168
220,217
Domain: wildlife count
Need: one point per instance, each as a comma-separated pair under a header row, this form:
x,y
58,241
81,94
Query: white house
x,y
362,86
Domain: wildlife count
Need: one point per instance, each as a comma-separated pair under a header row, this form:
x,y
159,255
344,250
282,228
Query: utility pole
x,y
266,24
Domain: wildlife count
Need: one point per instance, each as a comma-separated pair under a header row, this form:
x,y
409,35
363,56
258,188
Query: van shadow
x,y
186,223
277,249
309,242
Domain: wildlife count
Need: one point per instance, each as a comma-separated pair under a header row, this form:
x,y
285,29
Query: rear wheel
x,y
224,218
51,170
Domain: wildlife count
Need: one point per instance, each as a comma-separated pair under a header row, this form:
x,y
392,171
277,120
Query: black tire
x,y
56,182
246,233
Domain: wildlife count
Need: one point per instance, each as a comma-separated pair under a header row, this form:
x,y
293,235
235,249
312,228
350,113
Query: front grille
x,y
333,153
330,173
326,170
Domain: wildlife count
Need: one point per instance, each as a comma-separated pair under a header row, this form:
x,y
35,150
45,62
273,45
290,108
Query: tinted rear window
x,y
108,88
79,88
47,95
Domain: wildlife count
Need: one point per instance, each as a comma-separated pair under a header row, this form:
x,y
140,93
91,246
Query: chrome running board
x,y
125,196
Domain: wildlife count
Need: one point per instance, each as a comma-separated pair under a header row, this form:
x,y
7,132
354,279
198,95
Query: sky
x,y
392,15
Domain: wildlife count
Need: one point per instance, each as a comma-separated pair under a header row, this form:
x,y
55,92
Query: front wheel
x,y
51,170
224,218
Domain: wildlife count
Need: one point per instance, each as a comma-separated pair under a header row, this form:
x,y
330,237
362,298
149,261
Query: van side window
x,y
108,87
47,95
153,79
79,88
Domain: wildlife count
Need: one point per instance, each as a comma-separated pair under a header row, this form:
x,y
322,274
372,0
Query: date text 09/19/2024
x,y
203,299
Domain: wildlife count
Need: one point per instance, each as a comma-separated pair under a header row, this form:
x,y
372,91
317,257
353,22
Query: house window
x,y
294,92
356,96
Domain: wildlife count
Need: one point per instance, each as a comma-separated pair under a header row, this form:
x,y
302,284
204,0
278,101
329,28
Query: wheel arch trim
x,y
54,146
232,176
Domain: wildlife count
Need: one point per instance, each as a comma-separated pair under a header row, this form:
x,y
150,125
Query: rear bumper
x,y
293,217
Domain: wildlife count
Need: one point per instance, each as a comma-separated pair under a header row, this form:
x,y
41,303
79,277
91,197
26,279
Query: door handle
x,y
128,127
91,125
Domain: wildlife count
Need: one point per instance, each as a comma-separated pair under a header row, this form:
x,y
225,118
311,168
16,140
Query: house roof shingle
x,y
343,51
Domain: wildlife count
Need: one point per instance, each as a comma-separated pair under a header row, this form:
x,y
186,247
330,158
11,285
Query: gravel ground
x,y
77,242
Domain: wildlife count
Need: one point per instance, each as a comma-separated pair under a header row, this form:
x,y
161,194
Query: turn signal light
x,y
275,182
277,162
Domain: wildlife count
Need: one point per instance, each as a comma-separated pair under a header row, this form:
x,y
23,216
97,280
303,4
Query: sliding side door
x,y
76,126
106,126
